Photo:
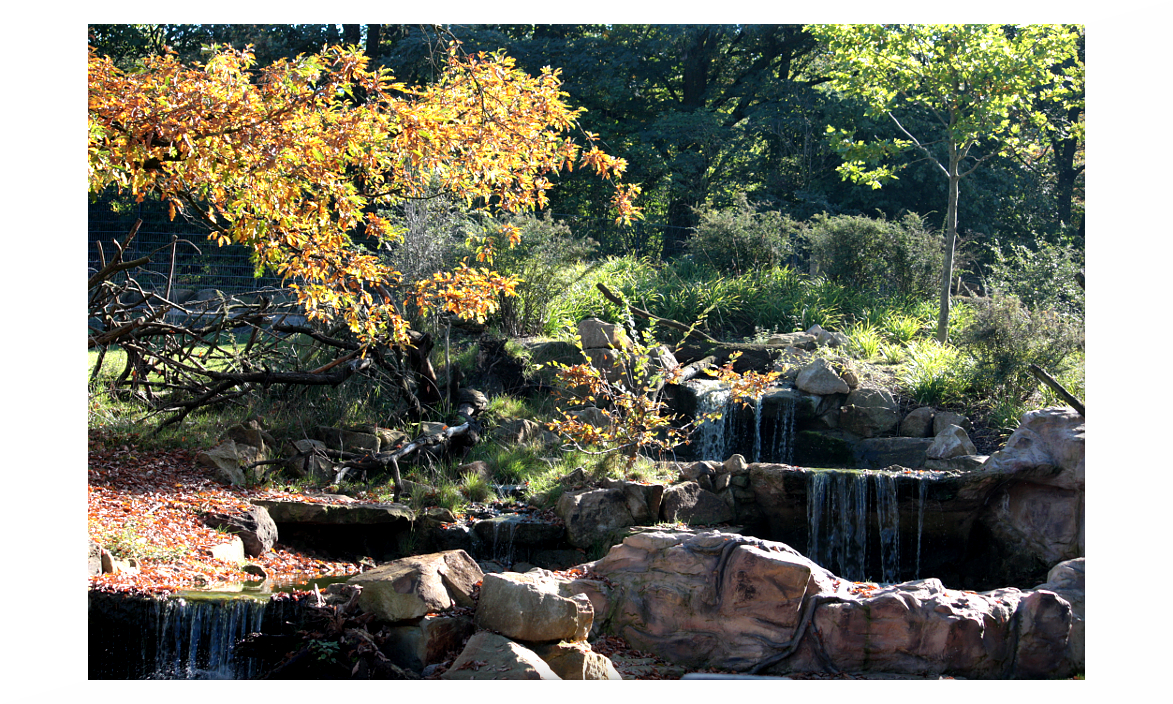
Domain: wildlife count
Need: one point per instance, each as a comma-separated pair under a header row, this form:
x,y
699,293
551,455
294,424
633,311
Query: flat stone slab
x,y
335,514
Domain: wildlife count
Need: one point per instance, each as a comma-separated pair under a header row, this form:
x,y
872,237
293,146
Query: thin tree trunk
x,y
950,245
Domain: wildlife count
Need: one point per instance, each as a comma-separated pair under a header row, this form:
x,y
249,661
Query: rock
x,y
944,419
961,463
528,607
232,551
918,423
952,441
304,460
690,503
1066,579
522,431
609,361
229,460
596,334
736,464
592,416
734,602
255,528
801,340
878,453
576,661
95,558
417,646
349,440
1044,629
336,514
518,530
826,337
250,433
593,516
488,656
415,586
1036,515
643,500
708,598
819,378
869,412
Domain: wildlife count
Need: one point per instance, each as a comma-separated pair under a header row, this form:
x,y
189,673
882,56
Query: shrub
x,y
741,239
547,260
1005,338
1046,277
900,258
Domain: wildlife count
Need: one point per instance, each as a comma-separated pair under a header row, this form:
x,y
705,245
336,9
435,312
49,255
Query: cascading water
x,y
711,434
176,638
195,638
784,432
839,514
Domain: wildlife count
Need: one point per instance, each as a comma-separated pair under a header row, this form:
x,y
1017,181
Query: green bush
x,y
1042,278
546,260
892,259
1005,337
741,239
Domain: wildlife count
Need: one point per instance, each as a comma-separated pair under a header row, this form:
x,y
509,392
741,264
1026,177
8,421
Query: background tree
x,y
981,84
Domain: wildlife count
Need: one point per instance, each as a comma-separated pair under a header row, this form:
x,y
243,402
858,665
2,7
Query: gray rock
x,y
488,656
918,423
944,419
528,607
415,586
419,645
692,504
255,528
951,442
596,334
869,412
819,378
878,453
594,516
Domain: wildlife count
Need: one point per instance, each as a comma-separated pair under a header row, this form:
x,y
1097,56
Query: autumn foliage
x,y
294,159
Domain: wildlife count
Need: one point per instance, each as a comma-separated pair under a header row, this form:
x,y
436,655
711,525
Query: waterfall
x,y
711,444
888,517
784,432
842,497
757,429
838,517
176,638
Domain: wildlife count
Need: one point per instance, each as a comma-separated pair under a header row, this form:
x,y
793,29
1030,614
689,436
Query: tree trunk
x,y
950,245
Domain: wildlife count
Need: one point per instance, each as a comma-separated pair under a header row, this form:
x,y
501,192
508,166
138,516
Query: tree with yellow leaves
x,y
294,159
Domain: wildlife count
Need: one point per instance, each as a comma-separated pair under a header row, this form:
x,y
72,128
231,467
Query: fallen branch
x,y
1047,379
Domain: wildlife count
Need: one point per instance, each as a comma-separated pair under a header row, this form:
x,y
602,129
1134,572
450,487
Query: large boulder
x,y
869,412
745,604
918,423
488,656
819,378
416,586
690,503
594,516
1035,518
529,607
